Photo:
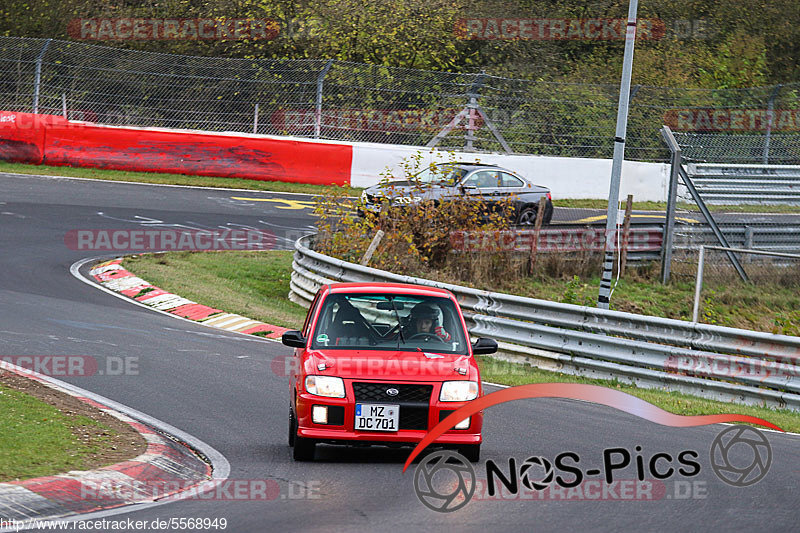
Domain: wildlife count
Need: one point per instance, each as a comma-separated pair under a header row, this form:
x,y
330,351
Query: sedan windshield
x,y
442,173
389,322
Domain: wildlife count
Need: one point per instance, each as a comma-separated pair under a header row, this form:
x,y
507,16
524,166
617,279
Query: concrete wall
x,y
567,177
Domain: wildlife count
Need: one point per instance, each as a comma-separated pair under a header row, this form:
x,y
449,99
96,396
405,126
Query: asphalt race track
x,y
220,388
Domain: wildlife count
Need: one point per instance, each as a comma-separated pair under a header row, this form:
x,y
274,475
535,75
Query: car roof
x,y
389,288
473,166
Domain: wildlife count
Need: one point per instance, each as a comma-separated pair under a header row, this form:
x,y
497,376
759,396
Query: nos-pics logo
x,y
445,481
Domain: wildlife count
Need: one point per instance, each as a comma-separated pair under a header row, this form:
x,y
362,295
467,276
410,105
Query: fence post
x,y
626,233
770,120
748,242
318,110
672,198
255,120
376,241
472,105
536,229
698,283
38,76
64,105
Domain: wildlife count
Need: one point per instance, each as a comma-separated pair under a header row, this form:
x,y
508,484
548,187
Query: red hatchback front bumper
x,y
420,410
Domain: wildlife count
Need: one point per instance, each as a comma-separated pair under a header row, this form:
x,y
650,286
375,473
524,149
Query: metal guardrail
x,y
713,361
746,184
770,237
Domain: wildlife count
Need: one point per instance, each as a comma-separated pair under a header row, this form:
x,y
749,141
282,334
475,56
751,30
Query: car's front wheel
x,y
304,449
472,452
292,427
527,217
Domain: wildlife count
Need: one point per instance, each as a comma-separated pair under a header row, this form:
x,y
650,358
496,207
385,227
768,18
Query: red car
x,y
381,364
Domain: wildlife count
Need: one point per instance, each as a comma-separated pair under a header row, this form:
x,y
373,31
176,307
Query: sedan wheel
x,y
527,217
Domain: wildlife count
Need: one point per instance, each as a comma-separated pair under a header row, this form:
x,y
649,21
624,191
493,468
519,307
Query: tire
x,y
527,217
472,452
303,449
292,427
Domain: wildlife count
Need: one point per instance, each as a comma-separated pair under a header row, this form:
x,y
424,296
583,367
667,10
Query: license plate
x,y
376,417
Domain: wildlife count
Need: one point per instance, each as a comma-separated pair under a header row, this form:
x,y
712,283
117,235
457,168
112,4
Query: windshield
x,y
443,173
389,322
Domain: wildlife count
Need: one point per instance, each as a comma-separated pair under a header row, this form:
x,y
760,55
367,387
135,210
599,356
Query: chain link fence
x,y
737,229
770,297
340,100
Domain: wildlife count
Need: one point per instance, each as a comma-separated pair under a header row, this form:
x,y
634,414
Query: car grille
x,y
414,401
376,392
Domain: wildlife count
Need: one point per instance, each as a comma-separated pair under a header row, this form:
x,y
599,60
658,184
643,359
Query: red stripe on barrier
x,y
152,294
22,136
72,494
92,402
133,291
195,311
205,154
112,274
275,331
141,428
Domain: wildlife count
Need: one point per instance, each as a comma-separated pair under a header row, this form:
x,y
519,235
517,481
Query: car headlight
x,y
325,386
458,391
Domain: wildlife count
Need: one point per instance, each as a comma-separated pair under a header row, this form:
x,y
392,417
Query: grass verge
x,y
255,284
769,307
174,179
662,206
251,284
44,432
505,373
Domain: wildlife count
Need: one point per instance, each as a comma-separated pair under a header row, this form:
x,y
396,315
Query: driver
x,y
424,318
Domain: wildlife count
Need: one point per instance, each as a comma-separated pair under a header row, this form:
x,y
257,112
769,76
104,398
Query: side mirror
x,y
484,346
294,339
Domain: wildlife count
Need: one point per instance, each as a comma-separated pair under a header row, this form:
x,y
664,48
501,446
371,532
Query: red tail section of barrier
x,y
22,136
54,141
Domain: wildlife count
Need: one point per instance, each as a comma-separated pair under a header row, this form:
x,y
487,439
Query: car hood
x,y
393,365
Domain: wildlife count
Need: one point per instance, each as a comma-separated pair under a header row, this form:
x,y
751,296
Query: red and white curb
x,y
173,463
112,276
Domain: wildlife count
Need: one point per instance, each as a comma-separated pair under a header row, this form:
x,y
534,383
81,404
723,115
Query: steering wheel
x,y
427,337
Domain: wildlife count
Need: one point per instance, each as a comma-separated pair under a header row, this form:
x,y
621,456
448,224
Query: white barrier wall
x,y
567,177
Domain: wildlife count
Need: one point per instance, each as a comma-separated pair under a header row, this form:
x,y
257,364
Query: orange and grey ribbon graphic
x,y
575,391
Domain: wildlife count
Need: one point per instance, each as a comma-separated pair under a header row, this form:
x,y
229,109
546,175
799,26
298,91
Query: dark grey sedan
x,y
489,183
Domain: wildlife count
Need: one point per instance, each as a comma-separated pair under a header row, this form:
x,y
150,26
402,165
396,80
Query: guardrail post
x,y
672,198
38,76
318,110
